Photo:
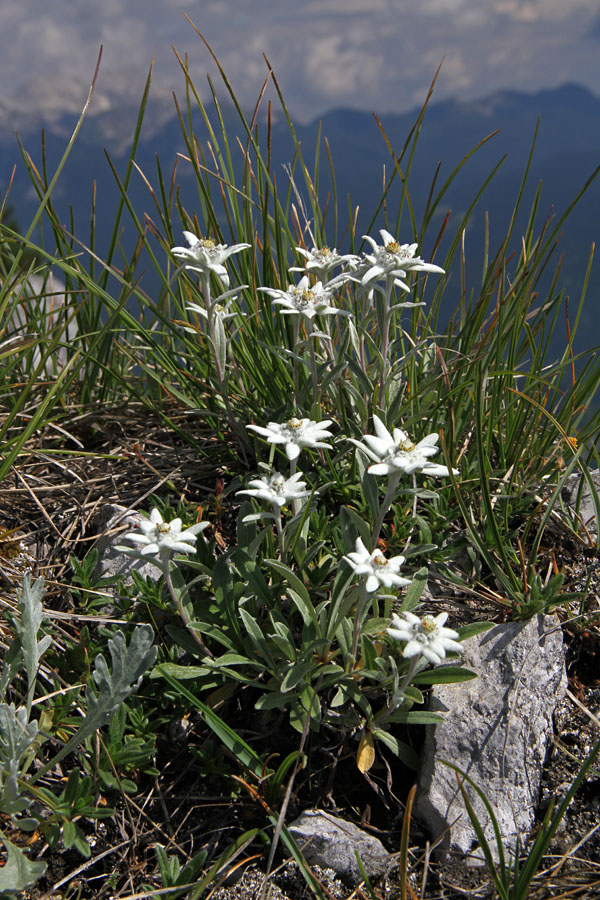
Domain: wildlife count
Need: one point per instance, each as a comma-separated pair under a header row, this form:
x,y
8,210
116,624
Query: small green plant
x,y
301,597
22,736
512,877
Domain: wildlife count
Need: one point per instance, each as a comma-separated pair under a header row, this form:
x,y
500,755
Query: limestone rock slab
x,y
332,843
115,522
578,496
496,729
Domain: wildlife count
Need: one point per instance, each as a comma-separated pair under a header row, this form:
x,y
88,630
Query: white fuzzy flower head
x,y
304,300
393,453
380,572
156,537
393,260
320,261
296,434
424,637
222,310
205,256
277,490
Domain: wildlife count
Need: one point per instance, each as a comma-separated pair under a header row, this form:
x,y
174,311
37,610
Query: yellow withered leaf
x,y
365,756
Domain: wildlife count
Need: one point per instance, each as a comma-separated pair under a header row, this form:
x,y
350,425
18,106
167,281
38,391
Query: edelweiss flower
x,y
321,260
378,569
155,536
296,434
276,489
304,300
397,453
425,637
221,310
393,260
204,256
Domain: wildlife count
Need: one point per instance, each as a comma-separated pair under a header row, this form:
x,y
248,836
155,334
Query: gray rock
x,y
114,522
332,843
579,498
496,730
42,302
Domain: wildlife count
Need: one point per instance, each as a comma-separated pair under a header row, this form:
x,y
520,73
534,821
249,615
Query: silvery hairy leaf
x,y
128,665
32,616
18,872
112,686
17,735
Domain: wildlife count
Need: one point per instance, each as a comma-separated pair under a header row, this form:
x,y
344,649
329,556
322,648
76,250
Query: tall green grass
x,y
506,411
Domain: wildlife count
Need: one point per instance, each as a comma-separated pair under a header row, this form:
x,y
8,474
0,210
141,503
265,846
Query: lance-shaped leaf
x,y
32,616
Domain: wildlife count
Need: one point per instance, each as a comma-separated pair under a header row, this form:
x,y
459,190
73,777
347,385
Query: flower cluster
x,y
380,572
396,453
424,637
277,490
205,256
390,453
156,537
393,261
304,300
296,434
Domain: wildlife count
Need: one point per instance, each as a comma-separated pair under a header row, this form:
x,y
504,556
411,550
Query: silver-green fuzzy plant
x,y
20,738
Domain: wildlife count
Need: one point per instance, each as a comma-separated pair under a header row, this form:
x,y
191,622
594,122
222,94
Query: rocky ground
x,y
51,503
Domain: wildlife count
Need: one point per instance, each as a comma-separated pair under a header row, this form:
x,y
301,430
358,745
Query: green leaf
x,y
272,700
297,673
234,743
370,489
474,628
112,687
415,590
353,526
418,717
398,748
179,671
256,636
306,608
32,616
19,871
444,675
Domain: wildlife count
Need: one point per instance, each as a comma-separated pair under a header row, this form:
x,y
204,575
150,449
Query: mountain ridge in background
x,y
566,153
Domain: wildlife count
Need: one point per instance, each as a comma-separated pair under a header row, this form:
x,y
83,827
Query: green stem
x,y
181,609
385,505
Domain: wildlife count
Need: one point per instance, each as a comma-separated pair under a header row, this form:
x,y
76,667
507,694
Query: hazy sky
x,y
370,54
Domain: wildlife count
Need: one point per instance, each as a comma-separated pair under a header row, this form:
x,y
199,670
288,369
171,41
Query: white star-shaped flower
x,y
379,570
157,537
277,490
424,637
397,453
296,434
320,261
205,256
304,300
393,260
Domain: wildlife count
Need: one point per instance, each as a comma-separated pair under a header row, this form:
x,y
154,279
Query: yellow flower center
x,y
207,243
380,560
406,445
163,528
294,422
307,298
428,624
393,247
